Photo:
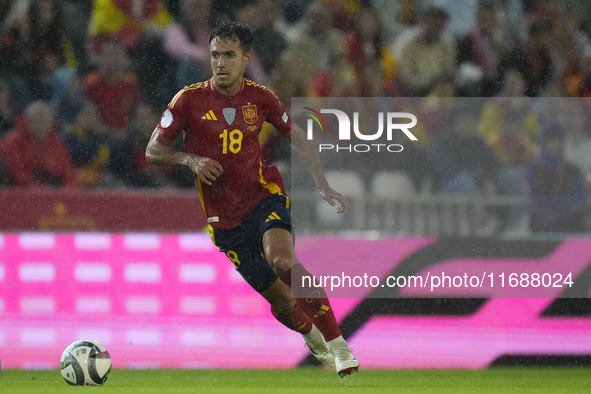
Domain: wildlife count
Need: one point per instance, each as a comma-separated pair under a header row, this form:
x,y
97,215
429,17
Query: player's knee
x,y
283,305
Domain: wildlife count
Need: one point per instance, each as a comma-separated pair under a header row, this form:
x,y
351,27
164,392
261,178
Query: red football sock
x,y
296,321
316,305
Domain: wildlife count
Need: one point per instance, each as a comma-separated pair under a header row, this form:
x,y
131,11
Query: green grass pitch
x,y
312,380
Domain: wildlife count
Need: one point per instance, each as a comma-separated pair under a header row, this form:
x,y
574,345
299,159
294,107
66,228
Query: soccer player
x,y
244,200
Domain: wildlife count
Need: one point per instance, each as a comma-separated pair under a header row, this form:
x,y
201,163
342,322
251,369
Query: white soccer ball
x,y
85,363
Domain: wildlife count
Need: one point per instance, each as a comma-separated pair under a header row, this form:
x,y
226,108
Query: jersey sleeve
x,y
276,113
174,119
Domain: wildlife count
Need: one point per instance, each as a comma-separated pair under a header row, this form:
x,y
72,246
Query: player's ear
x,y
248,56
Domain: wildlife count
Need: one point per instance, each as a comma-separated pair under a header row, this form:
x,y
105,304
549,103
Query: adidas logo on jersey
x,y
209,116
273,216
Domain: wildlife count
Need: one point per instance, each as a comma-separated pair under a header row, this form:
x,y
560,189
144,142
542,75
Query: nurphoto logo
x,y
392,124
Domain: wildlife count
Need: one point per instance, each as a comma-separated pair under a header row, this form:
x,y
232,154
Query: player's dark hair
x,y
233,31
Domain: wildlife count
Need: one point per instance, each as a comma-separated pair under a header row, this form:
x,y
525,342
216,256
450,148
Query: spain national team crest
x,y
250,113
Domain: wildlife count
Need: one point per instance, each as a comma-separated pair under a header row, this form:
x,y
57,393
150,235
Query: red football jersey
x,y
226,129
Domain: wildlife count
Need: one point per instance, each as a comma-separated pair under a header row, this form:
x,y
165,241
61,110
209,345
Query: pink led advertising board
x,y
173,301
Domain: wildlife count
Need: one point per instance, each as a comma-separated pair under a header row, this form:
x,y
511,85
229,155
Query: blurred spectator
x,y
126,20
397,15
7,113
513,84
575,76
578,137
77,15
546,10
85,138
344,12
187,41
533,58
46,49
366,50
12,37
513,143
249,14
12,30
268,34
114,90
570,112
427,56
68,104
292,76
510,99
575,48
33,154
461,15
484,47
514,20
434,111
316,63
461,160
128,161
578,83
295,9
556,188
139,26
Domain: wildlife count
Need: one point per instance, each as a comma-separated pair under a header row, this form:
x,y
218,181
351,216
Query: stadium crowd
x,y
83,83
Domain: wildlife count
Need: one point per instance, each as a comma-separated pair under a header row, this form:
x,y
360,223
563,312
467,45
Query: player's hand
x,y
206,169
329,195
